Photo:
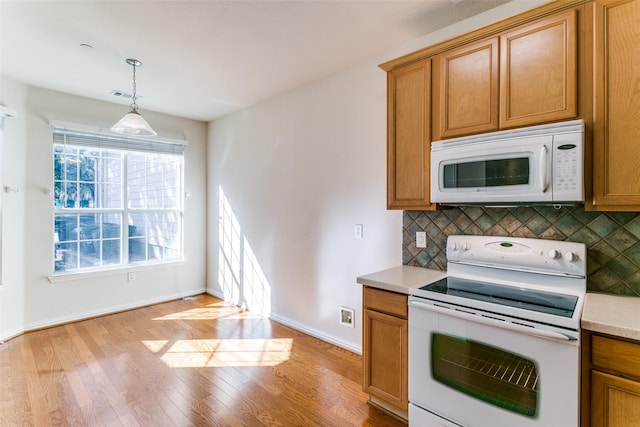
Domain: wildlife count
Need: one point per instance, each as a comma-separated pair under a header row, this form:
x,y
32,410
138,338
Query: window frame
x,y
127,146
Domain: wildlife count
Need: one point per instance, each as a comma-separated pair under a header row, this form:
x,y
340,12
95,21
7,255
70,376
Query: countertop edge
x,y
401,279
385,286
616,315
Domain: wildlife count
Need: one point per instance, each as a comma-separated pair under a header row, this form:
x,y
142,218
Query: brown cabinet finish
x,y
616,401
616,130
524,76
388,302
408,139
610,381
538,71
616,355
521,71
466,90
385,349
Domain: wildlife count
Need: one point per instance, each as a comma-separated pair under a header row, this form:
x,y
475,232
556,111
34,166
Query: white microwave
x,y
534,165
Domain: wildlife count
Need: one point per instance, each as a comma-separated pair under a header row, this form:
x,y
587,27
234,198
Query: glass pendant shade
x,y
133,124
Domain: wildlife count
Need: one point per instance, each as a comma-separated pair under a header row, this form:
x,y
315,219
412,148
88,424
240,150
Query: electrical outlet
x,y
421,239
346,317
131,276
358,231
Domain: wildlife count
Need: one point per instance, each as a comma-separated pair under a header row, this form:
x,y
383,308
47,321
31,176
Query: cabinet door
x,y
385,358
466,90
615,401
538,71
408,139
616,130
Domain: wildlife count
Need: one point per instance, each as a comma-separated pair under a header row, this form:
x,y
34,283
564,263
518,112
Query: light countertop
x,y
612,314
401,279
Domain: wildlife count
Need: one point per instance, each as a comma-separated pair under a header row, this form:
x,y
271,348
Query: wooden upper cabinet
x,y
519,72
538,71
408,139
523,76
466,90
616,130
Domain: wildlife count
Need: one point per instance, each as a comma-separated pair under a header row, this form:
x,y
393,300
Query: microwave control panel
x,y
567,168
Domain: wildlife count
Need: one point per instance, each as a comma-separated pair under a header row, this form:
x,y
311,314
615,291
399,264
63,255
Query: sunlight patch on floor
x,y
200,353
221,310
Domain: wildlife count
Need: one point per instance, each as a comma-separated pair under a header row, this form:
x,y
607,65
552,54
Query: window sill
x,y
69,277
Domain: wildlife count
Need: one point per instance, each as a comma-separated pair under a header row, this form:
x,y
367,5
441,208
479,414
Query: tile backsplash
x,y
612,238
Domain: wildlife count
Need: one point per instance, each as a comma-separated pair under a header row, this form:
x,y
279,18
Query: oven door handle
x,y
492,322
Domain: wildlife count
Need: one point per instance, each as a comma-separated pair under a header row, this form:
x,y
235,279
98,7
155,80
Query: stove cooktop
x,y
537,280
528,299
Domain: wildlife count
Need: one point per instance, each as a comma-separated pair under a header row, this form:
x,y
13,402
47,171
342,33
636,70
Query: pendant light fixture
x,y
133,123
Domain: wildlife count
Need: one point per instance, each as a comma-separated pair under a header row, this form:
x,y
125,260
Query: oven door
x,y
487,372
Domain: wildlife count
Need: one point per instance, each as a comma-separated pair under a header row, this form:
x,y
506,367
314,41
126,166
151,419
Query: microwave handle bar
x,y
492,322
544,159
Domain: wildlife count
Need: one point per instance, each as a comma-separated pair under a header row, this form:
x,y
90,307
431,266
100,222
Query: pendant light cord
x,y
134,106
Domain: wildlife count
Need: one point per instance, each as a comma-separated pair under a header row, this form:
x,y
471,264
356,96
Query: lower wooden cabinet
x,y
611,381
615,401
385,334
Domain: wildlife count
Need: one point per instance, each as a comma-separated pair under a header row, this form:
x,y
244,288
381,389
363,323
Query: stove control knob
x,y
455,246
554,254
466,246
571,257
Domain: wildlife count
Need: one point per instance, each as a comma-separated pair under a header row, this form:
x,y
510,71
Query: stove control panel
x,y
535,255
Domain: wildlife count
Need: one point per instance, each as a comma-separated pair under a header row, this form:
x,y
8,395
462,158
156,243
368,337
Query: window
x,y
117,201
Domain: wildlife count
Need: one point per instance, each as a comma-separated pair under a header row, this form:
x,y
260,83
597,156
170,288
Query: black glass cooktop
x,y
543,302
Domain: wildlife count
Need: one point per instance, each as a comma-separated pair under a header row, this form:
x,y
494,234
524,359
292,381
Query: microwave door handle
x,y
492,322
544,160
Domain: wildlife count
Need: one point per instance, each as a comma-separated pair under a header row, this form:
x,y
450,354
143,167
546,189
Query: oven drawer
x,y
615,355
386,302
423,418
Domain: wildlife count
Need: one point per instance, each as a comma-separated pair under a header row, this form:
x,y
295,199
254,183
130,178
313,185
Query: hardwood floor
x,y
191,362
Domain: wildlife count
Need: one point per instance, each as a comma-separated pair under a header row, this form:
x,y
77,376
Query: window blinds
x,y
63,135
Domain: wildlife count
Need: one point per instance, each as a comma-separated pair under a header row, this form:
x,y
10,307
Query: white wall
x,y
299,171
29,300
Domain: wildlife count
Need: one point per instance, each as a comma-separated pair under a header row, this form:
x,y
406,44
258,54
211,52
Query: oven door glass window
x,y
490,374
487,173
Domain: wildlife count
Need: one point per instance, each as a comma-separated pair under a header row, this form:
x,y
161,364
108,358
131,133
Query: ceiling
x,y
205,59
